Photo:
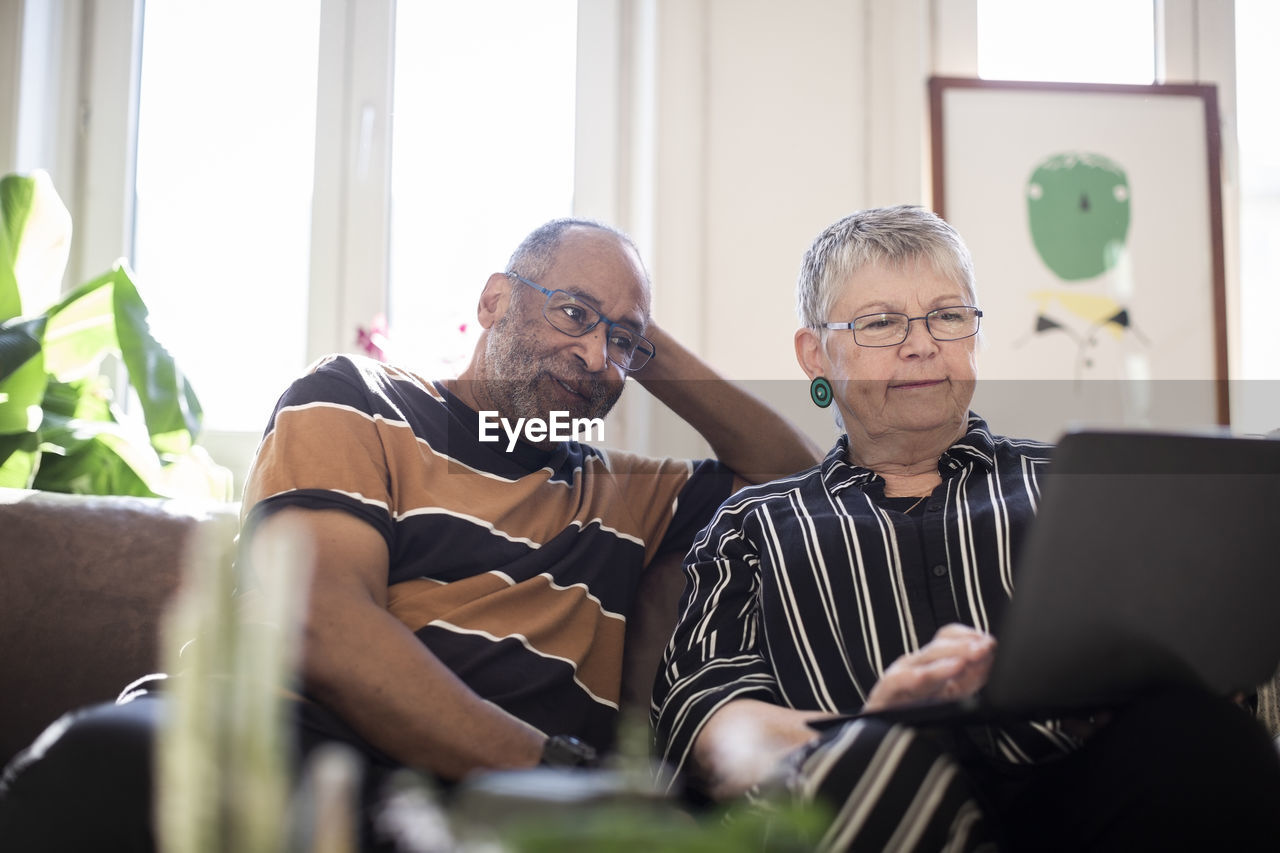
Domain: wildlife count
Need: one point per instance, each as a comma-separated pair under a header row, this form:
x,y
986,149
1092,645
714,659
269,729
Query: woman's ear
x,y
809,352
495,299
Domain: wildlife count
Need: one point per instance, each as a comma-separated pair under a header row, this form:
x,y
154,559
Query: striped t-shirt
x,y
517,569
802,591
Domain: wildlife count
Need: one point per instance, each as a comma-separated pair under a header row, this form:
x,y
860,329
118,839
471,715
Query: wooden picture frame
x,y
1094,215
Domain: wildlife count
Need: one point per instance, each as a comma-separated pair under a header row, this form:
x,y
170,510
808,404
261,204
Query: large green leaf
x,y
87,399
19,459
87,449
81,330
106,316
16,192
20,341
22,375
173,412
93,458
35,241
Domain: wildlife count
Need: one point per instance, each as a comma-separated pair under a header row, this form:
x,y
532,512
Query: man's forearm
x,y
408,704
373,672
744,433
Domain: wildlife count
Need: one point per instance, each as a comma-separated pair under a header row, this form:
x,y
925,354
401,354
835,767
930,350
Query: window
x,y
1257,70
483,150
1083,41
237,123
226,129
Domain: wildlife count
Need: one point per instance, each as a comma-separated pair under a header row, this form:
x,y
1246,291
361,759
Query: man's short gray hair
x,y
537,252
888,237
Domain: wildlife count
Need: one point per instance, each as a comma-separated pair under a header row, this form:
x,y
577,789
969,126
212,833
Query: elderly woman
x,y
874,580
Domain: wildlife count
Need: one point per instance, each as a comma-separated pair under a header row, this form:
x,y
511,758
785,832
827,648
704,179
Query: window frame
x,y
86,115
351,206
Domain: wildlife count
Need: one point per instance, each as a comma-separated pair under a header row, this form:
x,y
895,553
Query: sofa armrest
x,y
83,583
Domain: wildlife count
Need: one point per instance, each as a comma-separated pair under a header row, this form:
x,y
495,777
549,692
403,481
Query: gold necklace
x,y
907,511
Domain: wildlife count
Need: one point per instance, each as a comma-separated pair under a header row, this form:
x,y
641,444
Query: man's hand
x,y
742,743
955,664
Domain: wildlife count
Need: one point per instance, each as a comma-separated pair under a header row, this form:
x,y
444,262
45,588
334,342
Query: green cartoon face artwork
x,y
1078,209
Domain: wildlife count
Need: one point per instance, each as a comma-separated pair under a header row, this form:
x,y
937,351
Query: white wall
x,y
786,140
758,139
768,121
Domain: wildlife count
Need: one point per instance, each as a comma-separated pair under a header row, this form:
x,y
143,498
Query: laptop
x,y
1154,559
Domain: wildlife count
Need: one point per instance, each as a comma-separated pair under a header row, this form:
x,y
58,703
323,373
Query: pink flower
x,y
374,340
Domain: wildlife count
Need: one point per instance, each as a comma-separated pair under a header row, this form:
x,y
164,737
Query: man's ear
x,y
809,352
495,299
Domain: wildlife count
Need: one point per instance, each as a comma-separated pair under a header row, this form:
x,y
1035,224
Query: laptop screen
x,y
1154,558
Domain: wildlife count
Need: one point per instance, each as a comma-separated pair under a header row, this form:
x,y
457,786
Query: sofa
x,y
84,581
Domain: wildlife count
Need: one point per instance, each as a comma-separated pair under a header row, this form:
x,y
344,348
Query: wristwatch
x,y
567,751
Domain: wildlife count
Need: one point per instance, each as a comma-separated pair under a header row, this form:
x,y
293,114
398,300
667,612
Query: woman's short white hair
x,y
887,237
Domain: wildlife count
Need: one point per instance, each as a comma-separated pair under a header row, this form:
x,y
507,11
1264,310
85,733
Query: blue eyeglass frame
x,y
609,324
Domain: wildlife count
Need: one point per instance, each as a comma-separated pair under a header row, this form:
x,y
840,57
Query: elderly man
x,y
473,572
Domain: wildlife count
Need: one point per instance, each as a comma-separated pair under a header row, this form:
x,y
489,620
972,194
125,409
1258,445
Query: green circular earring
x,y
820,392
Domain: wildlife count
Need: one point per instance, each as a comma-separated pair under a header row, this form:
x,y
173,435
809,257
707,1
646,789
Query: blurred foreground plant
x,y
223,758
224,782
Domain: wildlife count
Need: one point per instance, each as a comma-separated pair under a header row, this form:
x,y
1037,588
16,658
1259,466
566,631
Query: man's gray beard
x,y
517,376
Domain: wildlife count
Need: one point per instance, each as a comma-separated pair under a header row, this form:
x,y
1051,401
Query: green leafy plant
x,y
61,429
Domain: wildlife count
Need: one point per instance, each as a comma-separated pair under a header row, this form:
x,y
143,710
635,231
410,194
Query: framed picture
x,y
1094,215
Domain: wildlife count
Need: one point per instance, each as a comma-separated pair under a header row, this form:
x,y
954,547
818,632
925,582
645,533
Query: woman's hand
x,y
741,744
954,664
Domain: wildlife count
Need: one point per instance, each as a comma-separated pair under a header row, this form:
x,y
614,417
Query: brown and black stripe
x,y
517,568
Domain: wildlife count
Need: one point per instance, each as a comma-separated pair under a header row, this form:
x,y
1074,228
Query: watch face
x,y
567,751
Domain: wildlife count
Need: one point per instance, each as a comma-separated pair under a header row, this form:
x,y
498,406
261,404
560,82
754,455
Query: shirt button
x,y
939,571
934,507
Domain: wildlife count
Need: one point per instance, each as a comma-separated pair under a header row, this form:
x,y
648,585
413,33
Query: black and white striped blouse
x,y
802,591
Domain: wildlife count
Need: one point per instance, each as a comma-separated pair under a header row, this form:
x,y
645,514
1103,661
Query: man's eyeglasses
x,y
565,312
953,323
